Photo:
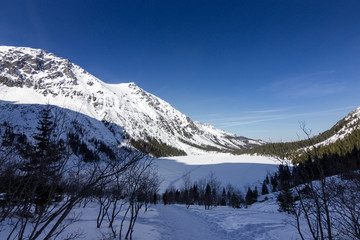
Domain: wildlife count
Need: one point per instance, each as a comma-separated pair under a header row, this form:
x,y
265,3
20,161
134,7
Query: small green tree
x,y
223,198
235,201
249,197
286,201
43,168
208,197
264,189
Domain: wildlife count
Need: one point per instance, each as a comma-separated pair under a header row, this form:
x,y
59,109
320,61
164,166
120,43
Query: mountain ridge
x,y
341,139
35,76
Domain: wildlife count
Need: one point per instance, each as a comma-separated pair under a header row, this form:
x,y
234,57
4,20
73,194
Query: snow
x,y
259,221
240,171
175,222
353,123
220,158
138,112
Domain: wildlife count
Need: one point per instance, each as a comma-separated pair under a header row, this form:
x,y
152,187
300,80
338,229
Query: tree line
x,y
209,192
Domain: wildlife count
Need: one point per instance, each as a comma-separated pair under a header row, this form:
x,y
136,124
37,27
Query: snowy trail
x,y
175,222
261,221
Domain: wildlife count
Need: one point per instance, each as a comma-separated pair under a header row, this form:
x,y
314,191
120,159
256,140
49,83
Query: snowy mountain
x,y
342,129
115,113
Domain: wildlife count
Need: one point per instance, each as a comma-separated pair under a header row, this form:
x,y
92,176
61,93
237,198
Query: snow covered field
x,y
240,171
260,221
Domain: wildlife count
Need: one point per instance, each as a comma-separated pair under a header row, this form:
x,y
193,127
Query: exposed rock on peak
x,y
38,77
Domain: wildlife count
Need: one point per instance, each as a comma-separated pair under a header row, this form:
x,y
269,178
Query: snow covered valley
x,y
261,220
159,222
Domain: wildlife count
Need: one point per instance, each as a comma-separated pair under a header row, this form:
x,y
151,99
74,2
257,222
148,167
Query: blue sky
x,y
254,68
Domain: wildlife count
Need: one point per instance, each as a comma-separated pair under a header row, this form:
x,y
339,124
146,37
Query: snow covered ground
x,y
240,171
259,221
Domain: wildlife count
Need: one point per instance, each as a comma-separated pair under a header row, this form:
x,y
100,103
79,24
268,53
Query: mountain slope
x,y
34,76
341,129
342,138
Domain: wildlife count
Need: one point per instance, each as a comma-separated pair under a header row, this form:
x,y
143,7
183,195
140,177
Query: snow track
x,y
261,221
176,222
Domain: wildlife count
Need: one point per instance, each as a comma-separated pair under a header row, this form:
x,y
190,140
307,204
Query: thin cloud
x,y
269,111
234,121
248,115
312,84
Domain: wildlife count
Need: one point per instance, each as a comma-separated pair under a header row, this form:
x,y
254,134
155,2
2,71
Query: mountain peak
x,y
35,76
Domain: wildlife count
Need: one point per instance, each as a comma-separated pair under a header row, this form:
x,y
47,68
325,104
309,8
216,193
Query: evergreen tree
x,y
186,197
170,196
214,197
264,189
208,197
284,177
267,179
249,197
177,196
274,182
255,194
235,202
43,169
195,193
223,198
228,196
286,200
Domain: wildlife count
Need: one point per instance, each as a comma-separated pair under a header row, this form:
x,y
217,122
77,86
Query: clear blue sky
x,y
254,68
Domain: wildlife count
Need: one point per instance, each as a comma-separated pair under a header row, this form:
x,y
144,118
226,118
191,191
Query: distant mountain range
x,y
117,114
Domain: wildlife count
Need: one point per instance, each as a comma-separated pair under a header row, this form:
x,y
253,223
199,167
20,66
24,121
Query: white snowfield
x,y
220,158
240,171
261,221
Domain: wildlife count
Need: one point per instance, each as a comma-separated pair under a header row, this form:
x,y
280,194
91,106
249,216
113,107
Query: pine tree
x,y
255,194
195,193
214,197
235,202
186,198
208,197
43,169
274,182
249,197
223,198
228,196
264,189
177,196
46,151
286,200
284,177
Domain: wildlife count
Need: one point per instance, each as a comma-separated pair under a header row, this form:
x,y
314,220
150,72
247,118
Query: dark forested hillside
x,y
343,143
